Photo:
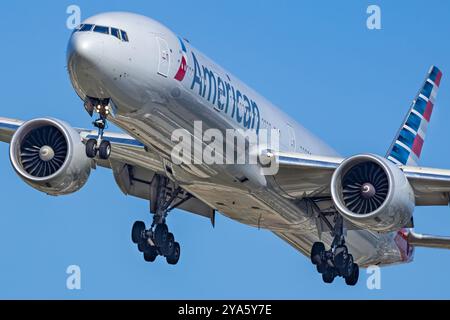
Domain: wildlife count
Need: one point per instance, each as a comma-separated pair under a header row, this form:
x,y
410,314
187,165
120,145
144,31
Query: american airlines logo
x,y
221,93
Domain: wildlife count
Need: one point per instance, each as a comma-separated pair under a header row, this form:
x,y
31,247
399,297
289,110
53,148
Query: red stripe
x,y
428,111
438,78
182,71
417,146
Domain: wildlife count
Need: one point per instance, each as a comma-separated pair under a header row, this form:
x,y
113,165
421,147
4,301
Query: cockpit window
x,y
86,27
116,33
119,34
101,29
124,36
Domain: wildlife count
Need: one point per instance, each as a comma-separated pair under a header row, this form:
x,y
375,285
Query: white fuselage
x,y
159,82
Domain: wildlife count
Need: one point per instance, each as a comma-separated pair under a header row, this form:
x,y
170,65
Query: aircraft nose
x,y
85,63
84,51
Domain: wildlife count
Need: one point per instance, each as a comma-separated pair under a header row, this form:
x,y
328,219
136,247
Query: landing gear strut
x,y
337,261
99,145
158,240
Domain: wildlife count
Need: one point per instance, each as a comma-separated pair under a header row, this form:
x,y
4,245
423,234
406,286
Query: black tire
x,y
136,232
170,245
150,254
348,270
91,148
317,251
104,151
161,234
341,260
142,246
352,280
322,268
328,276
175,256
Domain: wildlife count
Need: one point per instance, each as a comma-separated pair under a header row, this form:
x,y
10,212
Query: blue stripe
x,y
413,121
183,47
426,90
420,106
434,74
9,126
407,137
400,154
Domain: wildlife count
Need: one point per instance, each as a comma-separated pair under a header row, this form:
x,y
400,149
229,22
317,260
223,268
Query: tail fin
x,y
407,145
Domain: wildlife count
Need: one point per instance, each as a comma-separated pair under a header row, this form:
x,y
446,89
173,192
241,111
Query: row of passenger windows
x,y
119,34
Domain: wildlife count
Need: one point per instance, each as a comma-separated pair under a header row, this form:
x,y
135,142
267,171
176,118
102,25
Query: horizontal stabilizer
x,y
428,241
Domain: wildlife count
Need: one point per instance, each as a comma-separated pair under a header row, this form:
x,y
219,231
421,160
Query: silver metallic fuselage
x,y
139,77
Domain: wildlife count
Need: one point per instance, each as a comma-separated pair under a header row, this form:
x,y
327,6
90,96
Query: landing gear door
x,y
164,58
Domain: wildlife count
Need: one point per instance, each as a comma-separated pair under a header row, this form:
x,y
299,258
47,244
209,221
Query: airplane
x,y
344,213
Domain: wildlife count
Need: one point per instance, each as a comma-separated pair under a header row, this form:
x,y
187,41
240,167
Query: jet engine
x,y
50,156
373,193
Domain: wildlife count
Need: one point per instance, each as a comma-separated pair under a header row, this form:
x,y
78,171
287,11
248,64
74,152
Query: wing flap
x,y
431,186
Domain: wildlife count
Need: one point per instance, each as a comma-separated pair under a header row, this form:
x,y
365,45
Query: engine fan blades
x,y
43,151
365,188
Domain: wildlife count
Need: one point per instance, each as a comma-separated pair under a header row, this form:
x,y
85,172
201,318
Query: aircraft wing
x,y
125,148
303,176
132,164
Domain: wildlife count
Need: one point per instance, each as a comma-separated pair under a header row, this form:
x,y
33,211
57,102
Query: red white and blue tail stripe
x,y
408,143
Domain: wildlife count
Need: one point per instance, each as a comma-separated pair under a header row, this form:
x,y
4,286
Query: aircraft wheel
x,y
175,256
352,280
91,148
104,151
317,251
136,231
170,245
343,261
328,276
150,254
161,235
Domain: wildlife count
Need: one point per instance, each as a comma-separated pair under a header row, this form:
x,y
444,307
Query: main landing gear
x,y
337,261
158,240
99,145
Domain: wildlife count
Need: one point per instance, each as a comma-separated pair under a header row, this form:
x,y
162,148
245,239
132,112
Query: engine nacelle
x,y
373,193
50,156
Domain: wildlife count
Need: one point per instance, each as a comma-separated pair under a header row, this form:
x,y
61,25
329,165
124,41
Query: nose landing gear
x,y
337,261
99,145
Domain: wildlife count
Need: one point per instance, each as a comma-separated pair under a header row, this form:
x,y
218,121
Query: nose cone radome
x,y
84,61
85,49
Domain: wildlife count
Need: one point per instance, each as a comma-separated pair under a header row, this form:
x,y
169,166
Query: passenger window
x,y
101,29
124,35
116,33
86,27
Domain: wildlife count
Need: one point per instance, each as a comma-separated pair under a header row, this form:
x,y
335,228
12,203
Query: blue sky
x,y
316,60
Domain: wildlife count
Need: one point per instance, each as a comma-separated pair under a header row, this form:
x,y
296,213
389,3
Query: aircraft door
x,y
164,58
